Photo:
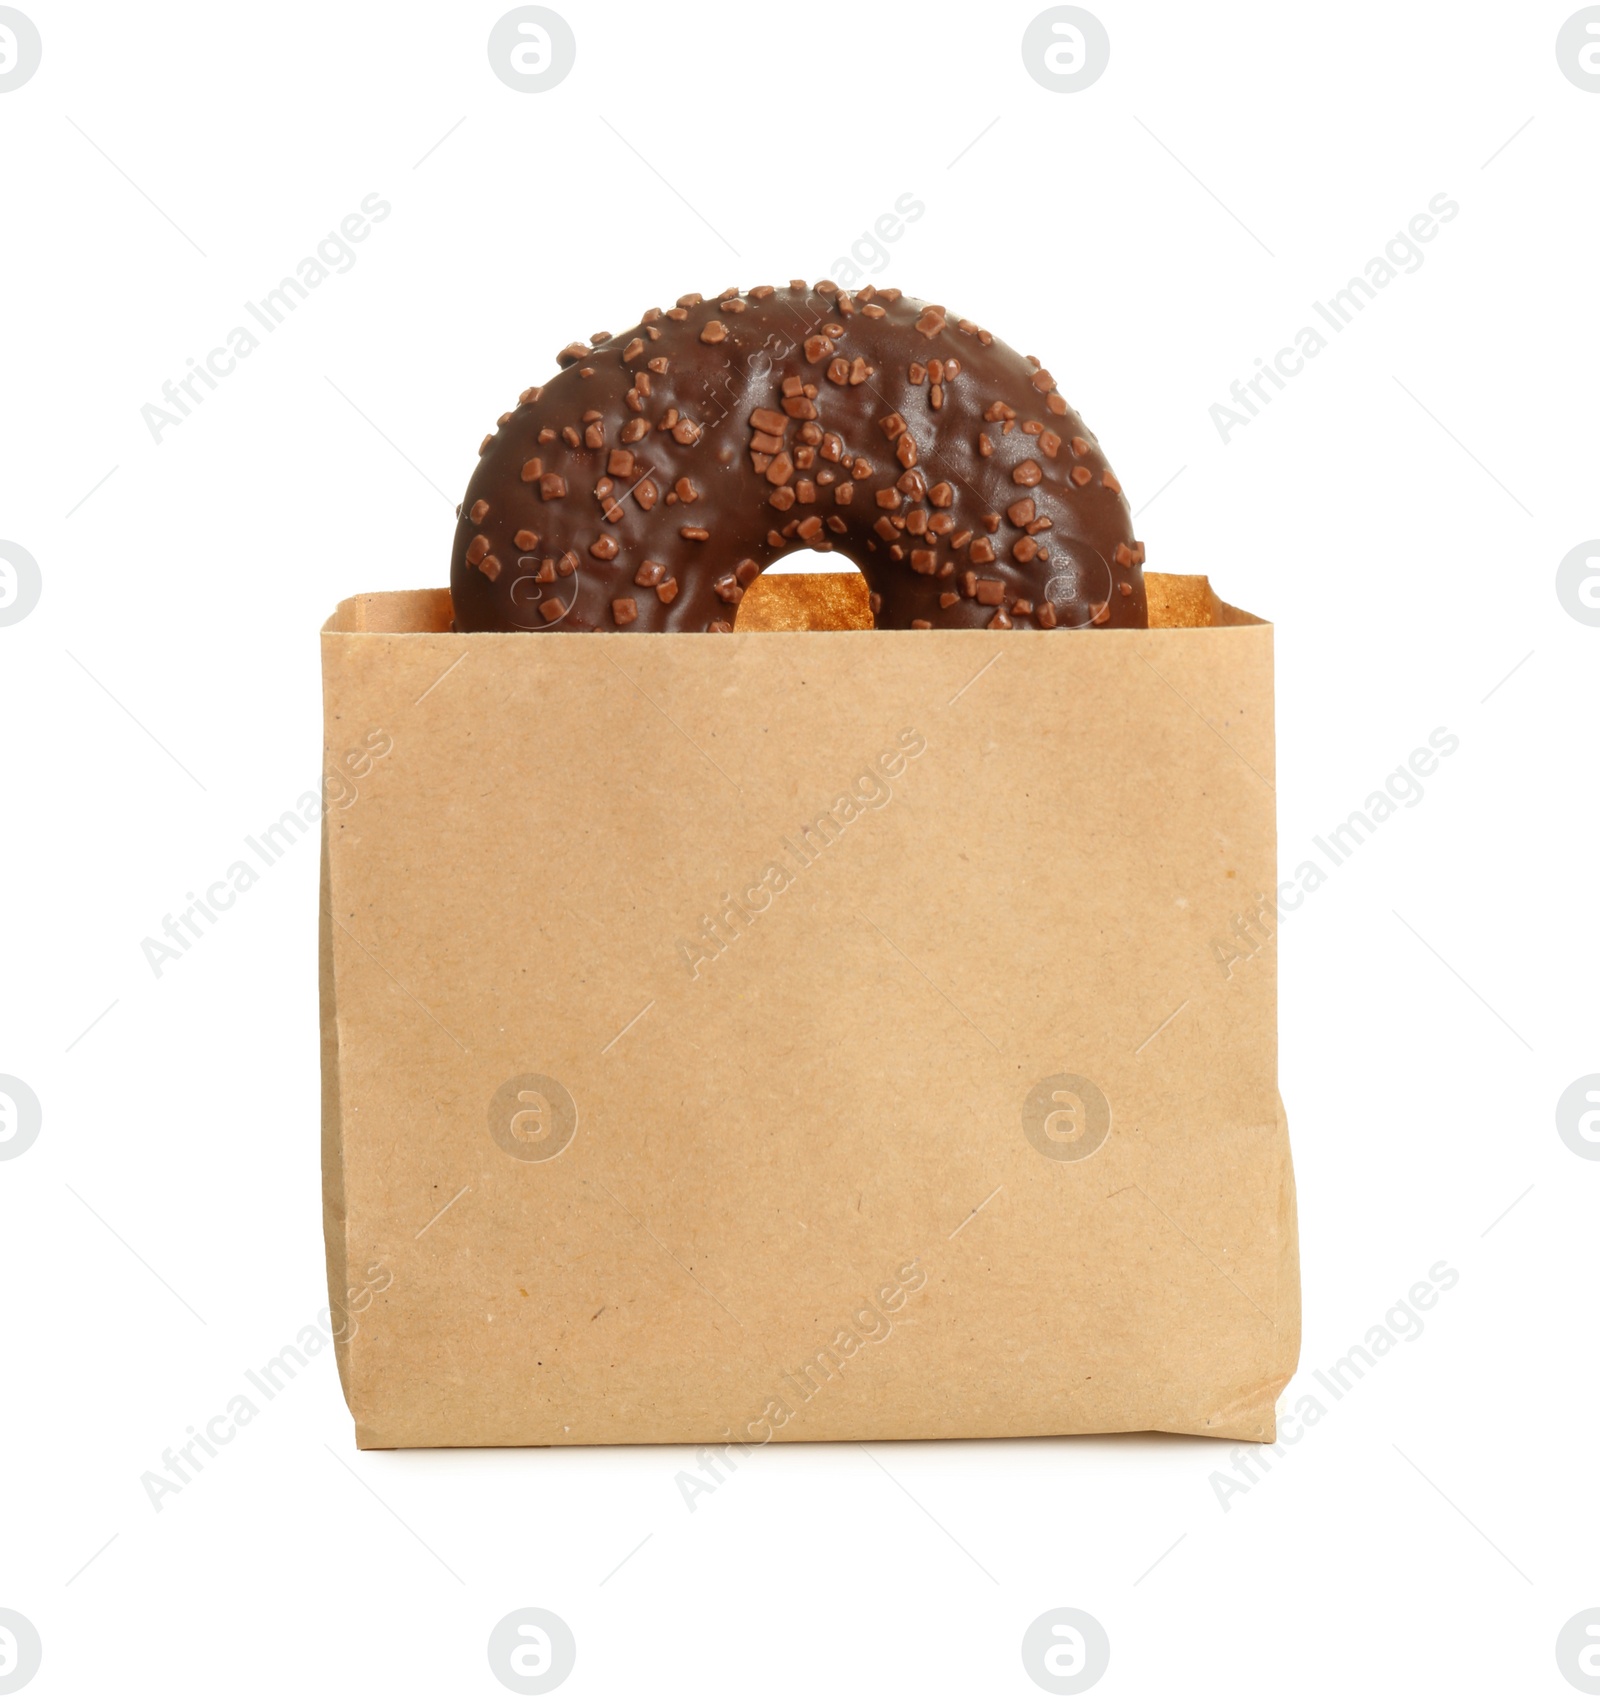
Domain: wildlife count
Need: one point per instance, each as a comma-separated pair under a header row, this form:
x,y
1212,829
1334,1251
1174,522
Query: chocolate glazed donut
x,y
646,485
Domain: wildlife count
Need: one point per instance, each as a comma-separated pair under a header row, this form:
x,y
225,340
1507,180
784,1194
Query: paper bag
x,y
803,1034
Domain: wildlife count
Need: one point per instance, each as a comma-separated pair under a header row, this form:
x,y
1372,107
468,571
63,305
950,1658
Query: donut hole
x,y
806,591
812,562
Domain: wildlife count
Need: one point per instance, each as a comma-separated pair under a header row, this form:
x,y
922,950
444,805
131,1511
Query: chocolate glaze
x,y
662,469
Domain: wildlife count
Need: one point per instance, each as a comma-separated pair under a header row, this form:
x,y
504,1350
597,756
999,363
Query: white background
x,y
1148,238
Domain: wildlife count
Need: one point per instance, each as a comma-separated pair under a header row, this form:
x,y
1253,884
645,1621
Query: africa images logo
x,y
20,53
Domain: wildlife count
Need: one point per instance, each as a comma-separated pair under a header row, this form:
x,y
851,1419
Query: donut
x,y
645,486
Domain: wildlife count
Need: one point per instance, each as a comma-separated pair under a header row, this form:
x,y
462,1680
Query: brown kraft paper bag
x,y
810,1033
